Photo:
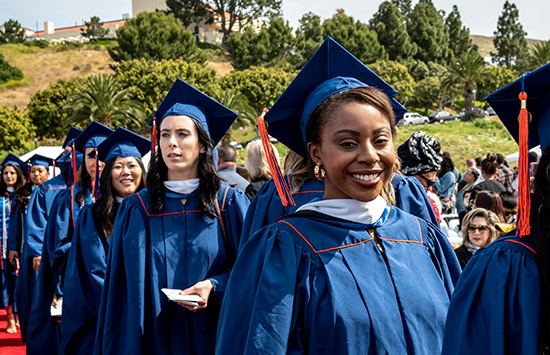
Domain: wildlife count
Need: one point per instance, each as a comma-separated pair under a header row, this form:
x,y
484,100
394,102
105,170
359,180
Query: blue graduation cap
x,y
123,143
71,136
506,103
184,100
92,136
14,160
330,70
38,159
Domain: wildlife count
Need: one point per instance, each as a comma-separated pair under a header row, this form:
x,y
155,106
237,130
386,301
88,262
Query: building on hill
x,y
71,34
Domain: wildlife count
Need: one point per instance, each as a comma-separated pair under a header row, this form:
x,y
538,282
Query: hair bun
x,y
491,157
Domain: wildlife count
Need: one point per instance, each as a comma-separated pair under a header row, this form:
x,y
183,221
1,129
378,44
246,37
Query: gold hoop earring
x,y
318,171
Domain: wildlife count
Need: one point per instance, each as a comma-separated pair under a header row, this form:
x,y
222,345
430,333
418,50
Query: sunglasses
x,y
481,229
429,182
509,213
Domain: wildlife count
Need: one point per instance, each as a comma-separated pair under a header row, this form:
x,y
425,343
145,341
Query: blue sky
x,y
480,16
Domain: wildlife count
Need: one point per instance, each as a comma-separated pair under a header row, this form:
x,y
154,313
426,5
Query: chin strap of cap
x,y
524,191
282,184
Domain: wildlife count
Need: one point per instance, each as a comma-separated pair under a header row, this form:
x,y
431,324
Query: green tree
x,y
538,56
12,32
432,90
155,35
498,77
404,7
428,31
355,36
16,129
398,76
149,80
272,46
389,25
232,15
237,102
459,35
509,39
94,29
466,72
45,108
101,98
8,72
309,36
261,86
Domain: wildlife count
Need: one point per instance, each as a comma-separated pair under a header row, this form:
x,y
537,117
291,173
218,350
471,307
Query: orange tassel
x,y
54,168
153,138
75,168
524,191
282,184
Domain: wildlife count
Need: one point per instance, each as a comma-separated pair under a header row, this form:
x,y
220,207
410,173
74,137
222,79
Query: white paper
x,y
174,295
56,311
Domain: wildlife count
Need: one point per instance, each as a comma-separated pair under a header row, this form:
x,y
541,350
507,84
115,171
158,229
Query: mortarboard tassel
x,y
54,168
524,198
153,137
95,188
75,168
28,173
282,184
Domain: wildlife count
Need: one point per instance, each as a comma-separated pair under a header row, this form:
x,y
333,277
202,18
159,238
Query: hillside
x,y
485,44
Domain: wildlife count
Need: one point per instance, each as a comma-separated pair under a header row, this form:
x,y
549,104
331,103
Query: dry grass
x,y
486,46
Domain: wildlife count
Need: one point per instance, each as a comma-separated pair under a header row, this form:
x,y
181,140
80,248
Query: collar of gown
x,y
349,209
119,199
10,189
182,187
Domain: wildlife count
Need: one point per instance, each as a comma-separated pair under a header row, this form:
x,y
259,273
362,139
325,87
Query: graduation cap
x,y
14,160
123,143
523,106
184,100
330,70
38,159
92,136
71,136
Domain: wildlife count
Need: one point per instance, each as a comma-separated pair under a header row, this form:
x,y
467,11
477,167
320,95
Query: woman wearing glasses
x,y
478,230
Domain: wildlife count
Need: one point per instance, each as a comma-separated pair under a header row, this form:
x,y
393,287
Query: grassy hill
x,y
486,46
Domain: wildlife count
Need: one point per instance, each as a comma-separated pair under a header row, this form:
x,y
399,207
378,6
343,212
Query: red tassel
x,y
524,197
54,168
153,138
75,168
28,174
95,183
282,184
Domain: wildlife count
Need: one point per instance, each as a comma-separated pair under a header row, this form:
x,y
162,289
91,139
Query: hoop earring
x,y
318,171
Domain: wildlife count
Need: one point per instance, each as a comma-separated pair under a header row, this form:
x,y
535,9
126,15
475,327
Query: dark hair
x,y
446,154
227,153
85,181
509,201
540,223
489,164
475,172
500,159
106,207
446,167
533,157
491,201
209,180
20,183
478,161
242,171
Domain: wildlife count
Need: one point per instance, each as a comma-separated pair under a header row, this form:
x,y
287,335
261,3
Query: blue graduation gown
x,y
495,308
266,207
320,285
175,249
83,284
7,270
42,334
36,219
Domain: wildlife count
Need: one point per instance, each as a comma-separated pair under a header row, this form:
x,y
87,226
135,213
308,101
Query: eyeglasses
x,y
481,229
510,212
429,182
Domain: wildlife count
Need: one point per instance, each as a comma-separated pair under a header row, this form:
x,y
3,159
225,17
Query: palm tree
x,y
102,98
237,102
467,71
539,55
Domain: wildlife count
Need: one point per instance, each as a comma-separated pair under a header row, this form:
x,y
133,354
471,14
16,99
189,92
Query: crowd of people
x,y
346,251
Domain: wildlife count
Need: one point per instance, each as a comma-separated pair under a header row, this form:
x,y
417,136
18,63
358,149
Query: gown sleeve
x,y
411,197
233,214
496,305
14,229
83,280
121,325
36,220
257,313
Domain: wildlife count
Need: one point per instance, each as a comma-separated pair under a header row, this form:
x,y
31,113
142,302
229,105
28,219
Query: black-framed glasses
x,y
481,229
429,182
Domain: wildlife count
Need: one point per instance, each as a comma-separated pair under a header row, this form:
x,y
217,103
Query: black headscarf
x,y
419,154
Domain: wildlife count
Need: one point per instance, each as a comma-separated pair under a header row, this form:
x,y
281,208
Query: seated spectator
x,y
256,163
510,206
227,168
489,167
478,230
491,201
505,175
242,171
445,184
471,177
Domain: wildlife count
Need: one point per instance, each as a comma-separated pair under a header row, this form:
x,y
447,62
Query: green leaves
x,y
16,129
8,72
509,40
12,32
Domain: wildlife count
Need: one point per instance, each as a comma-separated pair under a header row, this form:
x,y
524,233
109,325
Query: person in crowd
x,y
43,333
445,184
472,176
505,175
478,161
242,171
256,163
510,206
181,232
489,167
447,154
12,181
227,168
470,163
500,304
298,285
123,175
36,219
478,230
491,201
